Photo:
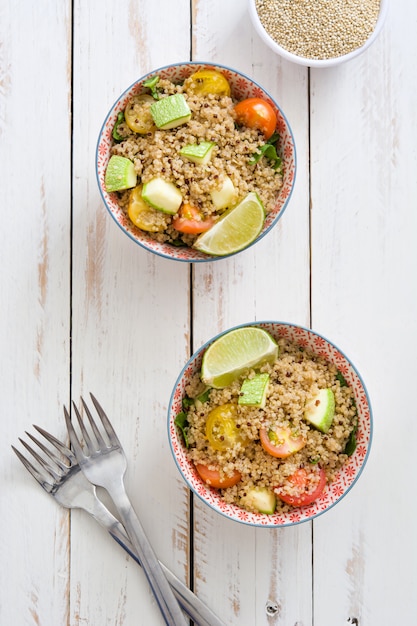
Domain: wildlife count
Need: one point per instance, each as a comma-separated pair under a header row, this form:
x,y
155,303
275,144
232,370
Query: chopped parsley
x,y
120,119
182,423
151,84
203,397
341,379
268,150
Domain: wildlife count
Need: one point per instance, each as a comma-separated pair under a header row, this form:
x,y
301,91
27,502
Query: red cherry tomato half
x,y
212,477
256,113
300,480
191,221
280,443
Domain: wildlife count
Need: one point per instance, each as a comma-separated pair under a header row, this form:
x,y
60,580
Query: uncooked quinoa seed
x,y
319,29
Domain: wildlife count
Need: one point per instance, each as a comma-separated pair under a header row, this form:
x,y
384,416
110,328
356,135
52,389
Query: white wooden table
x,y
84,308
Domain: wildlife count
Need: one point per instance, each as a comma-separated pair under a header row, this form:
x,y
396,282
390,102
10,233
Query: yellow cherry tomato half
x,y
142,215
138,114
221,429
204,82
281,442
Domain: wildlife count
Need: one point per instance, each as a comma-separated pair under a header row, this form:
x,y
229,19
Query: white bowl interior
x,y
347,475
316,63
242,87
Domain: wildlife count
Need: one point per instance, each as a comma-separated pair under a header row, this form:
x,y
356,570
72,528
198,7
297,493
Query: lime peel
x,y
236,352
237,228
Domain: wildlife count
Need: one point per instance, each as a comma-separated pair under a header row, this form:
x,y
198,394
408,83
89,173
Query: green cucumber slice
x,y
198,153
120,174
162,195
225,196
253,391
170,112
261,499
320,409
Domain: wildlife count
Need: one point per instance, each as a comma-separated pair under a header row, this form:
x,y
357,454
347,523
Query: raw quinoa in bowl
x,y
179,177
318,34
282,442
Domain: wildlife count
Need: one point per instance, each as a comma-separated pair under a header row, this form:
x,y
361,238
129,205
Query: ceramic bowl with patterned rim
x,y
345,478
242,87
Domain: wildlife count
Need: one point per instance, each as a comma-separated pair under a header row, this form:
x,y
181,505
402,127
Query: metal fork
x,y
104,465
70,488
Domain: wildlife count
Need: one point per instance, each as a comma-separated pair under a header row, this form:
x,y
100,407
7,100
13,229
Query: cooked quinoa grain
x,y
295,377
319,29
157,154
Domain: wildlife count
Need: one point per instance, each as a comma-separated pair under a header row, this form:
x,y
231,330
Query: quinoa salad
x,y
242,157
272,453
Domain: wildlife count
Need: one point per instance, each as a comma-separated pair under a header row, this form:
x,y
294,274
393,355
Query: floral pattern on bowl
x,y
345,478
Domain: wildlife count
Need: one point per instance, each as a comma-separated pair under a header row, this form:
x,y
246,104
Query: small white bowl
x,y
290,56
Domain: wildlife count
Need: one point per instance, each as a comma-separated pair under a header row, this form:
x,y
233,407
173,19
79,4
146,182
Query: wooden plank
x,y
130,318
268,281
363,228
34,287
130,329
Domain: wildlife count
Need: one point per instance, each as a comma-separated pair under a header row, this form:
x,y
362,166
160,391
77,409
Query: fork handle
x,y
164,595
199,612
195,608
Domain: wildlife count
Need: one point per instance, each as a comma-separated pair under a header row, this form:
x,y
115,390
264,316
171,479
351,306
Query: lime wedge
x,y
235,230
120,174
171,111
234,353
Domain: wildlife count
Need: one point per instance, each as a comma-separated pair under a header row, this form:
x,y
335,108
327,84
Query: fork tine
x,y
79,452
63,449
42,462
37,475
114,440
97,433
87,439
48,472
49,453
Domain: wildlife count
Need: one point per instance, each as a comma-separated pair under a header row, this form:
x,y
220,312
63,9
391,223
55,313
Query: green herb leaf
x,y
341,379
268,150
187,402
182,423
151,84
203,397
119,120
351,442
273,139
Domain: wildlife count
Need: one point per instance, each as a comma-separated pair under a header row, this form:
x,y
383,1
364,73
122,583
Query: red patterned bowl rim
x,y
242,87
346,476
